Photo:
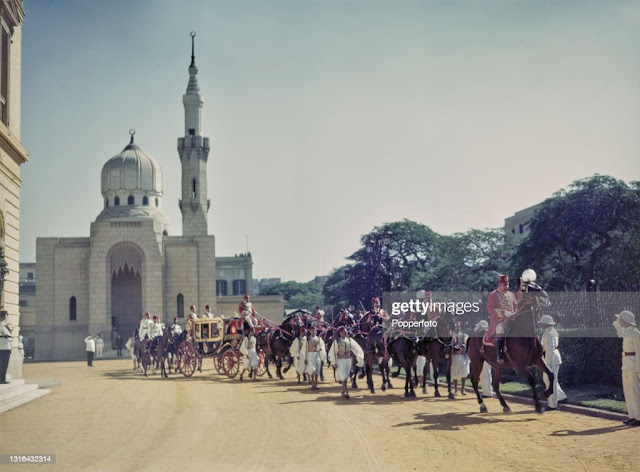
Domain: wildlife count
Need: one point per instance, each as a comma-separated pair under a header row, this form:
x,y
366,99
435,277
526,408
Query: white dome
x,y
132,169
132,187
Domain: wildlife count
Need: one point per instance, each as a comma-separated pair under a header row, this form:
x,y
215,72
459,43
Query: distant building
x,y
320,280
259,286
518,224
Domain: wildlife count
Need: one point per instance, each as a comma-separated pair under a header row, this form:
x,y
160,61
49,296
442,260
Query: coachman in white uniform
x,y
298,351
144,331
316,351
176,329
340,358
626,328
250,359
248,312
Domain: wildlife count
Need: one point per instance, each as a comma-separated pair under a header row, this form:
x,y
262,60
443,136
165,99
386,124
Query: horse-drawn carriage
x,y
219,339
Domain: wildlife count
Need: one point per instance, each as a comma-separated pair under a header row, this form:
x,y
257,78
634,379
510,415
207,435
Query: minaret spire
x,y
193,56
194,153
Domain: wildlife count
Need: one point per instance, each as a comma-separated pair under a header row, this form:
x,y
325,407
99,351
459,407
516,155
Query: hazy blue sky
x,y
329,117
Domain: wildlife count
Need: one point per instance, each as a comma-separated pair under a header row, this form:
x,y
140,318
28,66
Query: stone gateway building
x,y
130,264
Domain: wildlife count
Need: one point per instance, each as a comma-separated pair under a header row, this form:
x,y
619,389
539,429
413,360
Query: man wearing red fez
x,y
501,305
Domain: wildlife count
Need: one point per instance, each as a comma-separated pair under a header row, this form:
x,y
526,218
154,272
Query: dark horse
x,y
403,351
277,344
142,353
167,350
436,347
371,340
522,349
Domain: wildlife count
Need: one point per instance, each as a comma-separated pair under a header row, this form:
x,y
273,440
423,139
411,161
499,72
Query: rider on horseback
x,y
144,331
377,315
501,305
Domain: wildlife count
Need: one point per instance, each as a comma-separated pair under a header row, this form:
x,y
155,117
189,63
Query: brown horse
x,y
522,349
436,347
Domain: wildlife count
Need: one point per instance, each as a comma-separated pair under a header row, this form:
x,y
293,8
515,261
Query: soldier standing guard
x,y
340,357
626,328
501,305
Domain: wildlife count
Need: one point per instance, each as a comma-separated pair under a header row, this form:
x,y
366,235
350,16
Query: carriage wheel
x,y
230,363
187,359
217,364
262,364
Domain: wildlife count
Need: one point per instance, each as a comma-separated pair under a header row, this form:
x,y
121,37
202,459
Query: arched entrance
x,y
126,288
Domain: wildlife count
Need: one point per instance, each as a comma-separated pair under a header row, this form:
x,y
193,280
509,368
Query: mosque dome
x,y
131,185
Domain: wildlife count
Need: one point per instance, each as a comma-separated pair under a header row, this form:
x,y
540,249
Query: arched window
x,y
239,287
106,203
130,200
116,201
72,309
157,202
194,189
221,287
145,200
165,233
180,307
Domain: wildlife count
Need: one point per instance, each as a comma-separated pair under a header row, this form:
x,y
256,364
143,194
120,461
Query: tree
x,y
298,295
400,248
588,232
468,262
335,290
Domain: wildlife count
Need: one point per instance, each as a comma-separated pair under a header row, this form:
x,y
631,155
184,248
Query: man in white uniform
x,y
298,351
6,342
207,312
552,357
340,358
99,346
626,328
250,359
315,353
176,329
90,348
144,332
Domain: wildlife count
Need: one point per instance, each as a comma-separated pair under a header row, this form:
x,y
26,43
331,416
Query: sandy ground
x,y
108,418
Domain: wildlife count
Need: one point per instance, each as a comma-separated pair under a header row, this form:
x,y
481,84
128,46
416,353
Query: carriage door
x,y
126,289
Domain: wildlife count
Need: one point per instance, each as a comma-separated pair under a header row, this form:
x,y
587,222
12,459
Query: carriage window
x,y
180,307
116,201
145,201
221,288
72,309
239,287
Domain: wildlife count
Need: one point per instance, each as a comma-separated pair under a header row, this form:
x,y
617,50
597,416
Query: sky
x,y
329,117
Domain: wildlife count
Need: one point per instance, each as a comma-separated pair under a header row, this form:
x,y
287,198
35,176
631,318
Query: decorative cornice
x,y
12,146
14,11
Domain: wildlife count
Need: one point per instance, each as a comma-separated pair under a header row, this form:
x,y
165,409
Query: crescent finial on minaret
x,y
193,56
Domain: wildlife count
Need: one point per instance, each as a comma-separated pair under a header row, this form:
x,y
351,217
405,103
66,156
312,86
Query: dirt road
x,y
109,418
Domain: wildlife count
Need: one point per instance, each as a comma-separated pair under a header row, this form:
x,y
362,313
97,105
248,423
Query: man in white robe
x,y
250,355
315,351
459,359
340,358
298,351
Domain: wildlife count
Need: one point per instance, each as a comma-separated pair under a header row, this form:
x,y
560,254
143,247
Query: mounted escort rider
x,y
501,305
144,330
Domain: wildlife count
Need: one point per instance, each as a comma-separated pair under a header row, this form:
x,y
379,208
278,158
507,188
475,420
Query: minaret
x,y
194,152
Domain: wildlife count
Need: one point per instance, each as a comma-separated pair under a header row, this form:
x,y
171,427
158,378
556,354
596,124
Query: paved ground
x,y
108,418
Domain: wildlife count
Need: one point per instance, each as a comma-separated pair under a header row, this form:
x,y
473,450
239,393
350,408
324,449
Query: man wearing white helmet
x,y
485,375
552,357
625,325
